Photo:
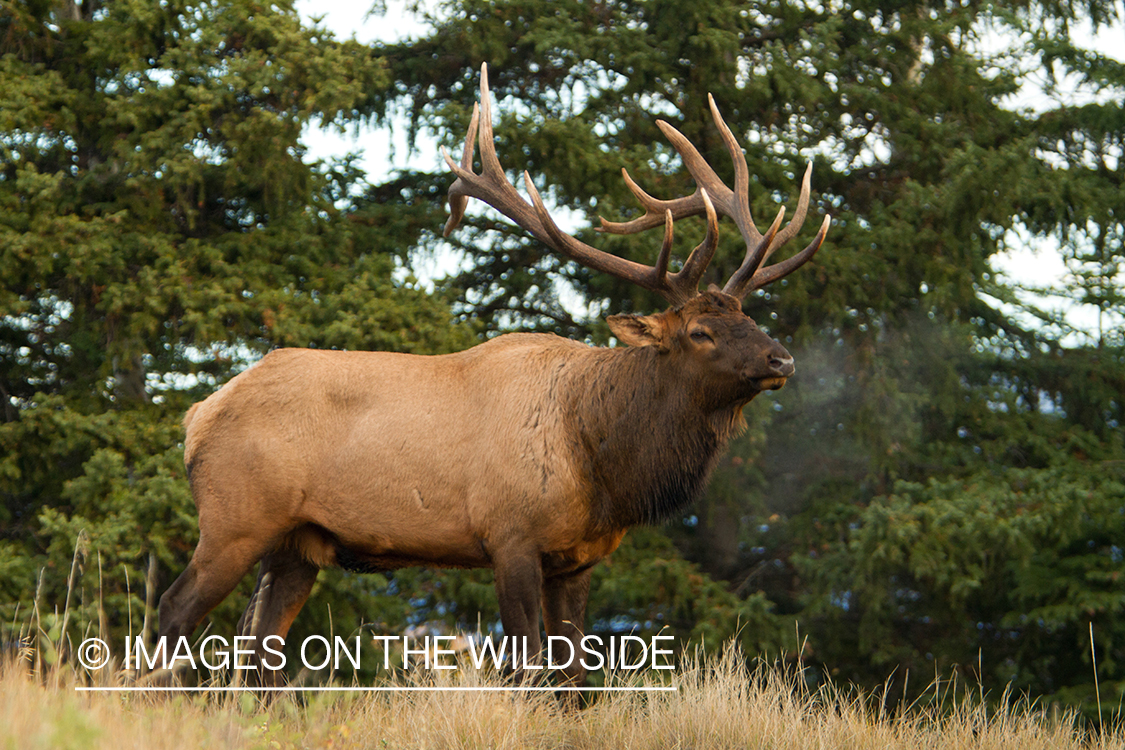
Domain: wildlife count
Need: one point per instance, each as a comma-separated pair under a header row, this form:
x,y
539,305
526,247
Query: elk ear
x,y
639,330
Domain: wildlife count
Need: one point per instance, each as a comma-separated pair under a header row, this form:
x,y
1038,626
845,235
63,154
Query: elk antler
x,y
733,203
492,187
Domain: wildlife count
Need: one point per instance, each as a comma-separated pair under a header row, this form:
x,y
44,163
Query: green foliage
x,y
160,227
646,588
1001,571
941,482
917,367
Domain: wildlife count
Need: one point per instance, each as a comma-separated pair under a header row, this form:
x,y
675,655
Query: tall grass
x,y
720,702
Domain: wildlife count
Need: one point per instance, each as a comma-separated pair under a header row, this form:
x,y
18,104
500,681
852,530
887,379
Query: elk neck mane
x,y
647,445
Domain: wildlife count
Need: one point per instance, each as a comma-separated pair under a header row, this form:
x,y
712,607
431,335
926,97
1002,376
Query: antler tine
x,y
751,274
458,202
696,265
721,196
665,248
740,197
733,203
798,219
492,187
775,271
736,286
489,161
690,205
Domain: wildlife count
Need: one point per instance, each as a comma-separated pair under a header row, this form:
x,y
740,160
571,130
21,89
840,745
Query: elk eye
x,y
700,336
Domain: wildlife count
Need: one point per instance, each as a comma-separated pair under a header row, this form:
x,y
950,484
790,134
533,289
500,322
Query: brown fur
x,y
530,454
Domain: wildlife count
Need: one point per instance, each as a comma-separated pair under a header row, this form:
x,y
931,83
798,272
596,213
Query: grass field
x,y
719,703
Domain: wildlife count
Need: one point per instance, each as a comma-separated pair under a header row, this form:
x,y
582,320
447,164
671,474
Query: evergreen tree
x,y
919,393
942,481
160,228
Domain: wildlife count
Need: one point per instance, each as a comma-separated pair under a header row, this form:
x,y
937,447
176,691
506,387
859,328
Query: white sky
x,y
382,152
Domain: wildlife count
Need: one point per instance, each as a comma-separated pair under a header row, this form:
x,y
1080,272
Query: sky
x,y
382,152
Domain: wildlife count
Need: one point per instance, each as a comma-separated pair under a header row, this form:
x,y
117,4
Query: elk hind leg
x,y
285,580
211,574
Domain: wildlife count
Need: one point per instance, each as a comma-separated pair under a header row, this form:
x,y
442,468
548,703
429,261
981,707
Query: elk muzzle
x,y
778,367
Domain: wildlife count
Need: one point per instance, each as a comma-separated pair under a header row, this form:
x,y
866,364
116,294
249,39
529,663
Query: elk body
x,y
530,454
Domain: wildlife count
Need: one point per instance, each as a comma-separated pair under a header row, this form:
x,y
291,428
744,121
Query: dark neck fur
x,y
651,445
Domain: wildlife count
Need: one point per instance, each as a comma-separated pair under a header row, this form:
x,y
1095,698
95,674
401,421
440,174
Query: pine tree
x,y
942,481
910,368
160,228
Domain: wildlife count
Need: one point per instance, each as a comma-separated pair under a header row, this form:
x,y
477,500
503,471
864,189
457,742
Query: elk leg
x,y
564,614
519,578
212,573
285,580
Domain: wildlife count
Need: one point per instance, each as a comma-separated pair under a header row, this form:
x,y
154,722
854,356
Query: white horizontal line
x,y
409,689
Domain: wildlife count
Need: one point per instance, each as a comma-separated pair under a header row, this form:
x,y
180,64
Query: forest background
x,y
942,486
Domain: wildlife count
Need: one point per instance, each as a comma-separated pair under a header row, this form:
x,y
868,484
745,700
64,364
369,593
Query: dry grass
x,y
719,703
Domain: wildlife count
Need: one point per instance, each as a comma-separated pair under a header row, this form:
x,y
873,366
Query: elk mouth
x,y
769,383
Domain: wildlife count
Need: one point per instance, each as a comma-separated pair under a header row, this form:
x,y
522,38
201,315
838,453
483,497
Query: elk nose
x,y
781,363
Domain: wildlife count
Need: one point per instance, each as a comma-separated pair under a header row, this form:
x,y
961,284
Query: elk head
x,y
704,332
711,343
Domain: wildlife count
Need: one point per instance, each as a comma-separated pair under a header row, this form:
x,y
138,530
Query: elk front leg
x,y
564,614
519,578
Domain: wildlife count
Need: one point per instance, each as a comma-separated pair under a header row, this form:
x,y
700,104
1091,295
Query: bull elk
x,y
529,454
